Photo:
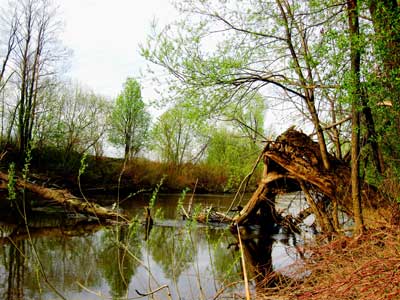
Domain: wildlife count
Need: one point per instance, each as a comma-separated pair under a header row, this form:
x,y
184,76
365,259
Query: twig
x,y
246,282
189,212
221,290
246,179
224,216
185,214
98,294
155,291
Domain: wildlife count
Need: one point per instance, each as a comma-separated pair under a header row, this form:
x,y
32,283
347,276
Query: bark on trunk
x,y
67,200
355,93
294,160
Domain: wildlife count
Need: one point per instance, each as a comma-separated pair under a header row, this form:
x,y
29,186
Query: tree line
x,y
41,109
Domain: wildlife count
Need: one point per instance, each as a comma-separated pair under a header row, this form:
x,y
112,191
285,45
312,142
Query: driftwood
x,y
293,163
65,199
210,215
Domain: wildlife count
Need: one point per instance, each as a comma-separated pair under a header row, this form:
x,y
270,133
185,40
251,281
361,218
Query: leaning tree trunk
x,y
66,199
292,162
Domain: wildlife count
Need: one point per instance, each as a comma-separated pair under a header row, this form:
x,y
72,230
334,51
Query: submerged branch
x,y
165,286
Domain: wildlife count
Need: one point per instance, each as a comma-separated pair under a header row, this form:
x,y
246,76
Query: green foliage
x,y
179,206
232,152
83,165
129,119
159,214
11,186
152,201
178,135
134,226
27,162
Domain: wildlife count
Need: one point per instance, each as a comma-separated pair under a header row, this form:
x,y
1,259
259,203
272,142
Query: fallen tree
x,y
65,199
293,163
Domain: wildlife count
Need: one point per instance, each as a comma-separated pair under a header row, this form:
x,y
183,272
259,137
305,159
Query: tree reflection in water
x,y
16,271
172,249
225,259
65,258
118,258
258,256
195,260
258,248
80,261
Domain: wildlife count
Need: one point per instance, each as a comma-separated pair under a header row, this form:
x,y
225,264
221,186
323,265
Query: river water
x,y
193,261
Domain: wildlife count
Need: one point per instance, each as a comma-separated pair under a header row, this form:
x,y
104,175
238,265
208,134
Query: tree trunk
x,y
66,199
371,137
355,93
293,160
306,82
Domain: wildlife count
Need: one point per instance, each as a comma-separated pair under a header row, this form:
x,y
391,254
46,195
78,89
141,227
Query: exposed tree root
x,y
293,163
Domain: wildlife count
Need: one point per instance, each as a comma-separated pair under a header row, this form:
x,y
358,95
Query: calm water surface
x,y
94,262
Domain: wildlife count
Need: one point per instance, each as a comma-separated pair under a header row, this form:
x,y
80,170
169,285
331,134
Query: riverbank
x,y
363,267
105,175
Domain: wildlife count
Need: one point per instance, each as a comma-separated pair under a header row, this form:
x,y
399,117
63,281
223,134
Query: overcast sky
x,y
104,37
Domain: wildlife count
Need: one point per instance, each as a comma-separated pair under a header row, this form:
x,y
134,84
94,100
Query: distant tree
x,y
177,136
129,119
70,118
34,59
247,117
233,152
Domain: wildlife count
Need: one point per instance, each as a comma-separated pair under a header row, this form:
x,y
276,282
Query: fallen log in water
x,y
293,163
65,199
213,216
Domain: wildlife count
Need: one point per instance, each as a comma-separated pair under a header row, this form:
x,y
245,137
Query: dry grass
x,y
363,267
